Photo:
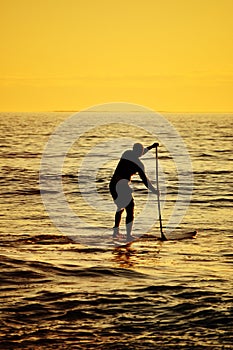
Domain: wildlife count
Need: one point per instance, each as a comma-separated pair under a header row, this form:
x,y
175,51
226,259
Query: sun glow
x,y
63,55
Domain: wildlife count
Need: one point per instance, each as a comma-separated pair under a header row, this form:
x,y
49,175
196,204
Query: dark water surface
x,y
58,294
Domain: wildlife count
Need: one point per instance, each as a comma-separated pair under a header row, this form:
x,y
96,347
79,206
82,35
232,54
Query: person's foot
x,y
130,238
116,233
120,238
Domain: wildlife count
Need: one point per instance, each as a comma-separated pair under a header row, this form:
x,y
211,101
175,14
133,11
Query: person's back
x,y
128,166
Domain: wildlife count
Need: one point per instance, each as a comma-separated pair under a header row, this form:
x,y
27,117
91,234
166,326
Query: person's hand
x,y
153,146
156,144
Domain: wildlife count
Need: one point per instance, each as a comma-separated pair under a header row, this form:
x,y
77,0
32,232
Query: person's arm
x,y
146,181
146,149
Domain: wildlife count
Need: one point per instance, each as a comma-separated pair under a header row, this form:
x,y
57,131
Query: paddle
x,y
163,237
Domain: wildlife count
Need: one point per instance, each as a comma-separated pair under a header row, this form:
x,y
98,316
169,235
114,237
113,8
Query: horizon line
x,y
138,111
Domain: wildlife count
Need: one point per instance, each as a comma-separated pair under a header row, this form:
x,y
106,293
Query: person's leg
x,y
112,187
129,218
117,222
122,196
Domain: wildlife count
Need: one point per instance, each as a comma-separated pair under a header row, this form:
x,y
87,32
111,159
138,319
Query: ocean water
x,y
58,293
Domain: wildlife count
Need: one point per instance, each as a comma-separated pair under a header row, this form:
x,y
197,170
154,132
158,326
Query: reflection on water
x,y
124,257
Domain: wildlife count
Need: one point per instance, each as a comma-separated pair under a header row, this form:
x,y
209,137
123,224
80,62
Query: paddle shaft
x,y
163,237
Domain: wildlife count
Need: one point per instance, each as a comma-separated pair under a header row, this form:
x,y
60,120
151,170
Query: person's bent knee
x,y
129,218
130,212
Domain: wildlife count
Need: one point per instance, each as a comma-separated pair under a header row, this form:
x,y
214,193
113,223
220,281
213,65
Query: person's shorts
x,y
121,193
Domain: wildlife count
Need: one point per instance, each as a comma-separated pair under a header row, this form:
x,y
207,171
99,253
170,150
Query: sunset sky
x,y
170,55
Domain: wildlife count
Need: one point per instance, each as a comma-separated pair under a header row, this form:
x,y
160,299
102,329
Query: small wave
x,y
206,155
14,155
228,151
117,272
212,172
160,288
24,192
222,199
45,239
214,202
37,239
197,293
22,277
38,269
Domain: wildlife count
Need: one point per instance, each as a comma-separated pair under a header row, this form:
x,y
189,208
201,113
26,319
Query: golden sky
x,y
169,55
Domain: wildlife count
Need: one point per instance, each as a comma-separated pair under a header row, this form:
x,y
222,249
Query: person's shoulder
x,y
127,155
130,155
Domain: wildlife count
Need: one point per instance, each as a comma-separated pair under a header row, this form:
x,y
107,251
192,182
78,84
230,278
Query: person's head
x,y
138,149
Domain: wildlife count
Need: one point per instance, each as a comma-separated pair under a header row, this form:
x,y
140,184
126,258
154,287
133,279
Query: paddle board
x,y
149,237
